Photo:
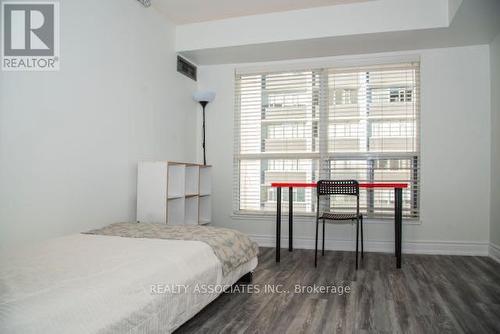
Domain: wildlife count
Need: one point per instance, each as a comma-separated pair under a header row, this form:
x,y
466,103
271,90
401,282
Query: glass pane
x,y
279,113
373,111
377,202
256,177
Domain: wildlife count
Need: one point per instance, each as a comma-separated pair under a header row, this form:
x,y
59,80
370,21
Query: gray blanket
x,y
231,247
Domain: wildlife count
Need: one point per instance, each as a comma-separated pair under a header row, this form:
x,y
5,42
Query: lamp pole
x,y
203,105
203,98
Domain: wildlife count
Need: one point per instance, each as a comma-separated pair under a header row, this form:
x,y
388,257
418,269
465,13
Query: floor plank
x,y
430,294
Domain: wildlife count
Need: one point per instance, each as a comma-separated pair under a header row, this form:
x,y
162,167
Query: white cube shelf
x,y
174,193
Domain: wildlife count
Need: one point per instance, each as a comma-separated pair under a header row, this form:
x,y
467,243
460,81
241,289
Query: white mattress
x,y
90,283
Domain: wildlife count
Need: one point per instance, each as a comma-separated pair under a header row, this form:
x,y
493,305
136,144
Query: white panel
x,y
192,180
205,210
176,211
205,180
191,210
152,192
176,180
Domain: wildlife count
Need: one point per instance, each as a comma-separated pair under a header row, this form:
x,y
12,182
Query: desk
x,y
398,212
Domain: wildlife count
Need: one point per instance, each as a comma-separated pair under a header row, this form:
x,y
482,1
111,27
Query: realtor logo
x,y
30,36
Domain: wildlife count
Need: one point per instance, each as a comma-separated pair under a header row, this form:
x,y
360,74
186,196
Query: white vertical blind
x,y
335,123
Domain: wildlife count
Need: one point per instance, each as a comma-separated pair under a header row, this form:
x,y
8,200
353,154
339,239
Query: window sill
x,y
309,218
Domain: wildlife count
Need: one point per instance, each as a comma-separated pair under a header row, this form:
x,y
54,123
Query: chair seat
x,y
340,216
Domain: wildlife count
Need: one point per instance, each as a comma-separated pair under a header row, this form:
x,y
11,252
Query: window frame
x,y
323,155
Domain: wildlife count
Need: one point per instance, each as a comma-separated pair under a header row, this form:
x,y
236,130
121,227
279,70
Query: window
x,y
345,96
400,95
331,123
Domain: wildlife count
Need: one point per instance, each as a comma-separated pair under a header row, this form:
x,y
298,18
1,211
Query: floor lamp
x,y
204,97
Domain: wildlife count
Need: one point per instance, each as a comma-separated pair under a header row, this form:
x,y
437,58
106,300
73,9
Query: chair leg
x,y
323,250
316,248
362,238
357,241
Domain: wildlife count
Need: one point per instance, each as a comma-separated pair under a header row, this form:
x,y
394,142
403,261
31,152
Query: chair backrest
x,y
337,187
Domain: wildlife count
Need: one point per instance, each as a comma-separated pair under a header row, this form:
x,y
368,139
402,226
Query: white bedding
x,y
91,283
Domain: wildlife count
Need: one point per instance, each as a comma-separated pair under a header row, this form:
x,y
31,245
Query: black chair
x,y
338,187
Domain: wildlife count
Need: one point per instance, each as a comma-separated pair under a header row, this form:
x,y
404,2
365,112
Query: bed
x,y
111,282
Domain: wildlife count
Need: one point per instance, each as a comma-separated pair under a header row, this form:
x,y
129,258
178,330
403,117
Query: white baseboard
x,y
409,247
494,252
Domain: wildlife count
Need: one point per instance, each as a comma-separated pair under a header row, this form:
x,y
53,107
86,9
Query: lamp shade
x,y
204,96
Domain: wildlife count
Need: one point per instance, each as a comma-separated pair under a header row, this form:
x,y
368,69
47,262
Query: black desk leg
x,y
290,219
395,229
398,217
278,223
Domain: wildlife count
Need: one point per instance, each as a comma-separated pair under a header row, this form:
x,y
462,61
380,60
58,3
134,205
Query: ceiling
x,y
191,11
475,23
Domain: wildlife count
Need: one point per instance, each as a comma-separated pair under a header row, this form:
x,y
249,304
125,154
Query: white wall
x,y
455,153
70,140
495,144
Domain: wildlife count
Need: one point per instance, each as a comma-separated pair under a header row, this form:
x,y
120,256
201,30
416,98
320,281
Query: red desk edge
x,y
362,185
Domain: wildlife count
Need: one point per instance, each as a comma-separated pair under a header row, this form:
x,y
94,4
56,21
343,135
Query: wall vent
x,y
186,68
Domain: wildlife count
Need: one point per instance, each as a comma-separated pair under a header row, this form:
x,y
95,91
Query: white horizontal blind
x,y
373,118
277,137
336,123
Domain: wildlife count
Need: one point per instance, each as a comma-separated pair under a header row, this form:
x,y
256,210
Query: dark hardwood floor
x,y
430,294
